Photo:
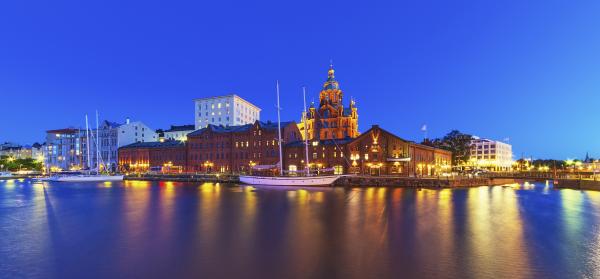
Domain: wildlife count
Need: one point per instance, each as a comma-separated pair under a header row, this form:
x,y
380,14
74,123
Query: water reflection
x,y
172,229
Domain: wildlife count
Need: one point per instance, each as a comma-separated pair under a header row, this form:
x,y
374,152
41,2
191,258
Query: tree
x,y
12,164
456,142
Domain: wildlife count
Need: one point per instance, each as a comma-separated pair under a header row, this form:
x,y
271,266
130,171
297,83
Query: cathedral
x,y
331,120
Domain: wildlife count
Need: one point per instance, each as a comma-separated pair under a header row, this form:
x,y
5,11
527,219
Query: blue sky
x,y
524,70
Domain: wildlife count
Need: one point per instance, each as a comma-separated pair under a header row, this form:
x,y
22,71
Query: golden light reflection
x,y
494,218
137,183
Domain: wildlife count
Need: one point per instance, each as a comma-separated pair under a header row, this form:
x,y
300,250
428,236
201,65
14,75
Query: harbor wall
x,y
344,181
578,184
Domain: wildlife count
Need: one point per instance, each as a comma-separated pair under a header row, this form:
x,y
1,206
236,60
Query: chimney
x,y
127,121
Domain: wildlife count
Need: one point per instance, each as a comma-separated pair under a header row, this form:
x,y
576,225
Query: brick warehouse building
x,y
168,156
375,152
237,148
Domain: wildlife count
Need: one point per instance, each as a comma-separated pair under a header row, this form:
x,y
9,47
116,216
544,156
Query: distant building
x,y
177,132
18,151
37,151
491,154
112,136
229,110
330,119
63,149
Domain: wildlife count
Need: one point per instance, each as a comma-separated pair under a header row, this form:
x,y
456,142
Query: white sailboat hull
x,y
86,178
289,181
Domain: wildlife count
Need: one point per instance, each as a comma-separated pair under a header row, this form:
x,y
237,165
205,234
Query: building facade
x,y
491,154
330,119
176,132
63,150
111,136
238,148
229,110
374,152
18,151
167,157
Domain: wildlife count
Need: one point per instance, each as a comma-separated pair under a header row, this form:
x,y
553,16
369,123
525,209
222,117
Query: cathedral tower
x,y
330,119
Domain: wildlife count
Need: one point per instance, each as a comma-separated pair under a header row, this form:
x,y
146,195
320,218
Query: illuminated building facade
x,y
166,157
63,150
229,110
374,152
238,148
330,119
491,154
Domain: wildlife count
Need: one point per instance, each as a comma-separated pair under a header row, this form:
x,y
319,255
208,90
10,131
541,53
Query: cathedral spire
x,y
331,83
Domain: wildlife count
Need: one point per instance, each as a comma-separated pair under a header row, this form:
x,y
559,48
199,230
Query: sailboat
x,y
89,177
307,180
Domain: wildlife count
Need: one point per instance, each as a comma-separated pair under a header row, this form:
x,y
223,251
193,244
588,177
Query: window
x,y
366,156
338,169
315,155
292,168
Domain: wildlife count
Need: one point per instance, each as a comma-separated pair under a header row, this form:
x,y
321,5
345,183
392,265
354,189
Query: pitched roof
x,y
155,144
240,128
179,128
300,143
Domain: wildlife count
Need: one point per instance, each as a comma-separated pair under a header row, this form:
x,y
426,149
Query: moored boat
x,y
307,180
289,181
85,178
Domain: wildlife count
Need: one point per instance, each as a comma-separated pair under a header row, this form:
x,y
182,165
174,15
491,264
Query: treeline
x,y
12,164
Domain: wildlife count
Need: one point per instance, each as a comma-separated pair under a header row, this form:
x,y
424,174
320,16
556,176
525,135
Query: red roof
x,y
63,131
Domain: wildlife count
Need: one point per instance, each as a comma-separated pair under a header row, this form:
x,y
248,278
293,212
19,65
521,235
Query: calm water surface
x,y
182,230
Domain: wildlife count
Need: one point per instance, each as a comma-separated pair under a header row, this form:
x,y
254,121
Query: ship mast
x,y
304,118
97,145
87,136
279,132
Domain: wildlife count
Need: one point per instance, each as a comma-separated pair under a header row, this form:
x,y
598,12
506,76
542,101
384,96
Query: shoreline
x,y
347,181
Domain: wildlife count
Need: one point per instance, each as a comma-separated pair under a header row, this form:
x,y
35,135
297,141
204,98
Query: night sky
x,y
524,70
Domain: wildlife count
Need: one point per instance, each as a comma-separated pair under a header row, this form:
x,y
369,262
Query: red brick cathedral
x,y
331,120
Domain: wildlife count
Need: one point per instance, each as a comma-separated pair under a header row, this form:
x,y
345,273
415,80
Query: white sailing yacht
x,y
307,180
89,177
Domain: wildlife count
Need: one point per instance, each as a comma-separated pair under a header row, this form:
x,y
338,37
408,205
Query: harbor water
x,y
136,229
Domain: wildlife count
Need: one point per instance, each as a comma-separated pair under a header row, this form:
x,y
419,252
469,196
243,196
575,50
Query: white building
x,y
176,132
112,136
491,154
229,110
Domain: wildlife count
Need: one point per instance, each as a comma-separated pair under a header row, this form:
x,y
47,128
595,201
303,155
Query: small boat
x,y
307,180
289,181
85,178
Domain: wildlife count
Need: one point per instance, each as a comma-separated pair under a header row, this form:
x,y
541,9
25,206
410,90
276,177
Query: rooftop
x,y
228,96
155,144
179,128
240,128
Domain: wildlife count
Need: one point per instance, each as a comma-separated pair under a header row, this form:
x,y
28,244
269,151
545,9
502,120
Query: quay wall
x,y
413,182
344,181
578,184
